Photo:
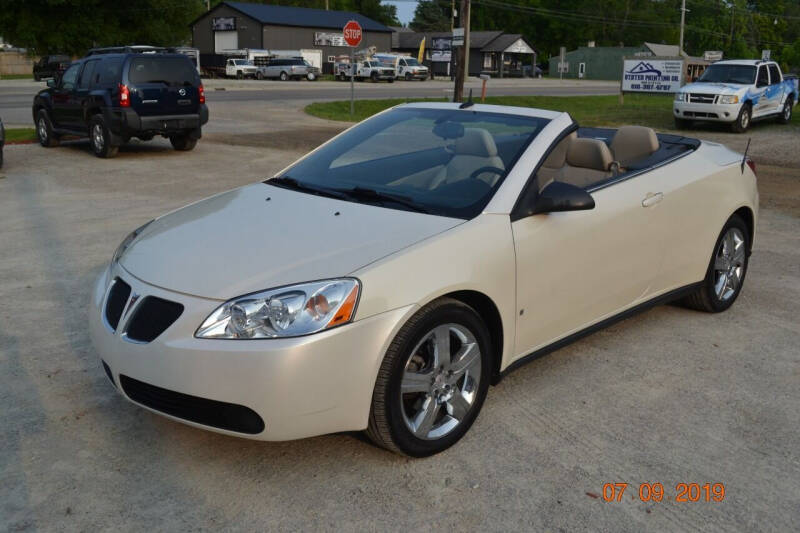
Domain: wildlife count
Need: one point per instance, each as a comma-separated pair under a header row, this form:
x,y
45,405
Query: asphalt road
x,y
16,96
670,396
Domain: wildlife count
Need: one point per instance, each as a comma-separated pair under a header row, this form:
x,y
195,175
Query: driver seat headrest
x,y
632,143
476,142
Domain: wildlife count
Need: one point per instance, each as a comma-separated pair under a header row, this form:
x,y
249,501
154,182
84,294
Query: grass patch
x,y
16,77
654,111
20,135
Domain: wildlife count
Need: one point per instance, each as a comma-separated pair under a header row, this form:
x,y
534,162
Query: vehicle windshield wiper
x,y
361,193
288,182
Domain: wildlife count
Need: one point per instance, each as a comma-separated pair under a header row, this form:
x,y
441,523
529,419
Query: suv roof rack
x,y
135,49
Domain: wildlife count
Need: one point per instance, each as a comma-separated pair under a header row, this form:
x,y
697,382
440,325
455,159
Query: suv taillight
x,y
124,96
201,94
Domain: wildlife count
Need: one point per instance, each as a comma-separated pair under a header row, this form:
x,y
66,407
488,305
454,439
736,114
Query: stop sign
x,y
352,33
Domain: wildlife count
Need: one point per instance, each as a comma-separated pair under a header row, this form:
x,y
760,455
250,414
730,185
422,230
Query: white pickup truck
x,y
240,68
371,69
737,92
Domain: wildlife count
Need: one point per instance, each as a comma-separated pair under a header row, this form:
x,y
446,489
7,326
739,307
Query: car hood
x,y
714,88
261,236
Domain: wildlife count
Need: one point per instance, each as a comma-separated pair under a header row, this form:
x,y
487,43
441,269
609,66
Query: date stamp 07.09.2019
x,y
655,492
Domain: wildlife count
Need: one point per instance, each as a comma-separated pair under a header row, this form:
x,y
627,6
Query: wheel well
x,y
487,310
749,221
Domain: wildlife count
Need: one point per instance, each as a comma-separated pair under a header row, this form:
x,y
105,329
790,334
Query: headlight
x,y
680,97
729,99
126,243
284,312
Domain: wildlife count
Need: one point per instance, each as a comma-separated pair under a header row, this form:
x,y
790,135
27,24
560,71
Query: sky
x,y
405,10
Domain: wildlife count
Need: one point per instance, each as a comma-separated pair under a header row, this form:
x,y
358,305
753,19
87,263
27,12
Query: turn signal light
x,y
124,96
201,94
345,312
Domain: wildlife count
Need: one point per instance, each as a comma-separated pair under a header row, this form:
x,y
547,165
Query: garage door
x,y
225,40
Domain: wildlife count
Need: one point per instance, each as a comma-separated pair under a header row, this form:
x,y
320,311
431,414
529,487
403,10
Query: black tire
x,y
1,156
706,297
44,130
284,76
311,76
100,138
786,114
387,426
409,77
682,124
391,80
183,143
744,119
239,75
374,77
259,75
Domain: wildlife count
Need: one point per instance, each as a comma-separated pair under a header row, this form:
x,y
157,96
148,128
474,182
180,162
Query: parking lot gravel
x,y
670,396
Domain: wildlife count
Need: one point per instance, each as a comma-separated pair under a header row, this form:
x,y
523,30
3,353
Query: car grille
x,y
151,318
697,98
222,415
115,303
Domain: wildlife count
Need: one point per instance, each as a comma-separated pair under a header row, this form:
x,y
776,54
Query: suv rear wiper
x,y
362,193
287,182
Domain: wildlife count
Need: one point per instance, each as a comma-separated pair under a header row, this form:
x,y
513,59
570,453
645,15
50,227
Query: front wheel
x,y
743,120
284,76
409,77
44,130
726,271
183,143
100,138
311,76
259,76
786,114
374,77
432,381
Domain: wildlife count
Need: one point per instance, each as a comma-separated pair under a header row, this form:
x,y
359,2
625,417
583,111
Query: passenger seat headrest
x,y
558,156
589,153
633,142
476,142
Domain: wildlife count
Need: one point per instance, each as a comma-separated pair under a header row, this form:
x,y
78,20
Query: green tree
x,y
431,15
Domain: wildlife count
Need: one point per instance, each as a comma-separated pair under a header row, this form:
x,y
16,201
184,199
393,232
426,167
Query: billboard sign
x,y
322,38
223,23
652,75
441,48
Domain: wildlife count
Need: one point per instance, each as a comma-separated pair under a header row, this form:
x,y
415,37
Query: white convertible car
x,y
383,281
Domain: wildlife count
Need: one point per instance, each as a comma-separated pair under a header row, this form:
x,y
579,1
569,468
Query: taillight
x,y
201,94
751,164
124,96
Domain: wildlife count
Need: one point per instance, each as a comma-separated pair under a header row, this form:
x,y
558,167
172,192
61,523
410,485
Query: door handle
x,y
652,198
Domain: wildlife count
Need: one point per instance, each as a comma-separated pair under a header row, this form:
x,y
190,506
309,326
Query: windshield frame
x,y
363,133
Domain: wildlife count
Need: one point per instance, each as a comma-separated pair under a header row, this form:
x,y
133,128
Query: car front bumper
x,y
298,387
706,112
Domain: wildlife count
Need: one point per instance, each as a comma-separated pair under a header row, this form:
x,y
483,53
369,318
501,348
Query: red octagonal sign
x,y
352,33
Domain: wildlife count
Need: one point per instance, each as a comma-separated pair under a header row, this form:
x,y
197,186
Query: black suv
x,y
113,97
50,67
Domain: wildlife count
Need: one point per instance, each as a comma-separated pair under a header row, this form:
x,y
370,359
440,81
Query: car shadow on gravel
x,y
292,140
131,147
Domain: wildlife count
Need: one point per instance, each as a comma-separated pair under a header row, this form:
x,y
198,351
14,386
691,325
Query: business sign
x,y
458,36
352,33
322,38
765,55
563,67
712,55
223,24
652,75
441,48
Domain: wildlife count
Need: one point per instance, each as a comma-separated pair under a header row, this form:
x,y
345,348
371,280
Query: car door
x,y
576,268
79,99
61,111
761,104
775,90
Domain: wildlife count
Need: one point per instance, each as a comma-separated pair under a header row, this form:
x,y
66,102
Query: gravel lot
x,y
668,396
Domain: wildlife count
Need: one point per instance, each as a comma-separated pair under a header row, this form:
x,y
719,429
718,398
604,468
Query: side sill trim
x,y
667,297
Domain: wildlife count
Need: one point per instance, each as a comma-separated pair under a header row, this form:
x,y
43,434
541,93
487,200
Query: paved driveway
x,y
668,396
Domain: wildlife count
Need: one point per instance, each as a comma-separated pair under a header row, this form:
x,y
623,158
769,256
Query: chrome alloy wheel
x,y
98,139
440,381
787,111
744,121
729,264
42,129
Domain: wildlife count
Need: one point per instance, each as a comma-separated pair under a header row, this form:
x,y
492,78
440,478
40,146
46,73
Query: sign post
x,y
352,36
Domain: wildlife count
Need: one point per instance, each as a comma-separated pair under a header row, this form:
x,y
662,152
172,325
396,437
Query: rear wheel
x,y
100,138
726,271
432,381
284,76
743,120
786,114
259,75
311,76
374,77
183,142
239,75
44,130
682,123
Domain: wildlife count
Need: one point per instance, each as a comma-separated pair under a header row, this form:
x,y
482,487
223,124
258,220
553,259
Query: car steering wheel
x,y
495,170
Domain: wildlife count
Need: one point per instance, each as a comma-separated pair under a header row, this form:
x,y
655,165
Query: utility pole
x,y
462,71
683,20
733,11
327,6
452,14
466,41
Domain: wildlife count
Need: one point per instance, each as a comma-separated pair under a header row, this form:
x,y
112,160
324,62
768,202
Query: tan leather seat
x,y
589,161
476,149
553,166
633,143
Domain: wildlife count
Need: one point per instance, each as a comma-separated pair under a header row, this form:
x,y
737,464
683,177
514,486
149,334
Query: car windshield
x,y
245,62
447,162
412,62
743,74
168,70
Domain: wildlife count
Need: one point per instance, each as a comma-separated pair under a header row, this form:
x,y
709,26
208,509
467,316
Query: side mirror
x,y
52,83
560,196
